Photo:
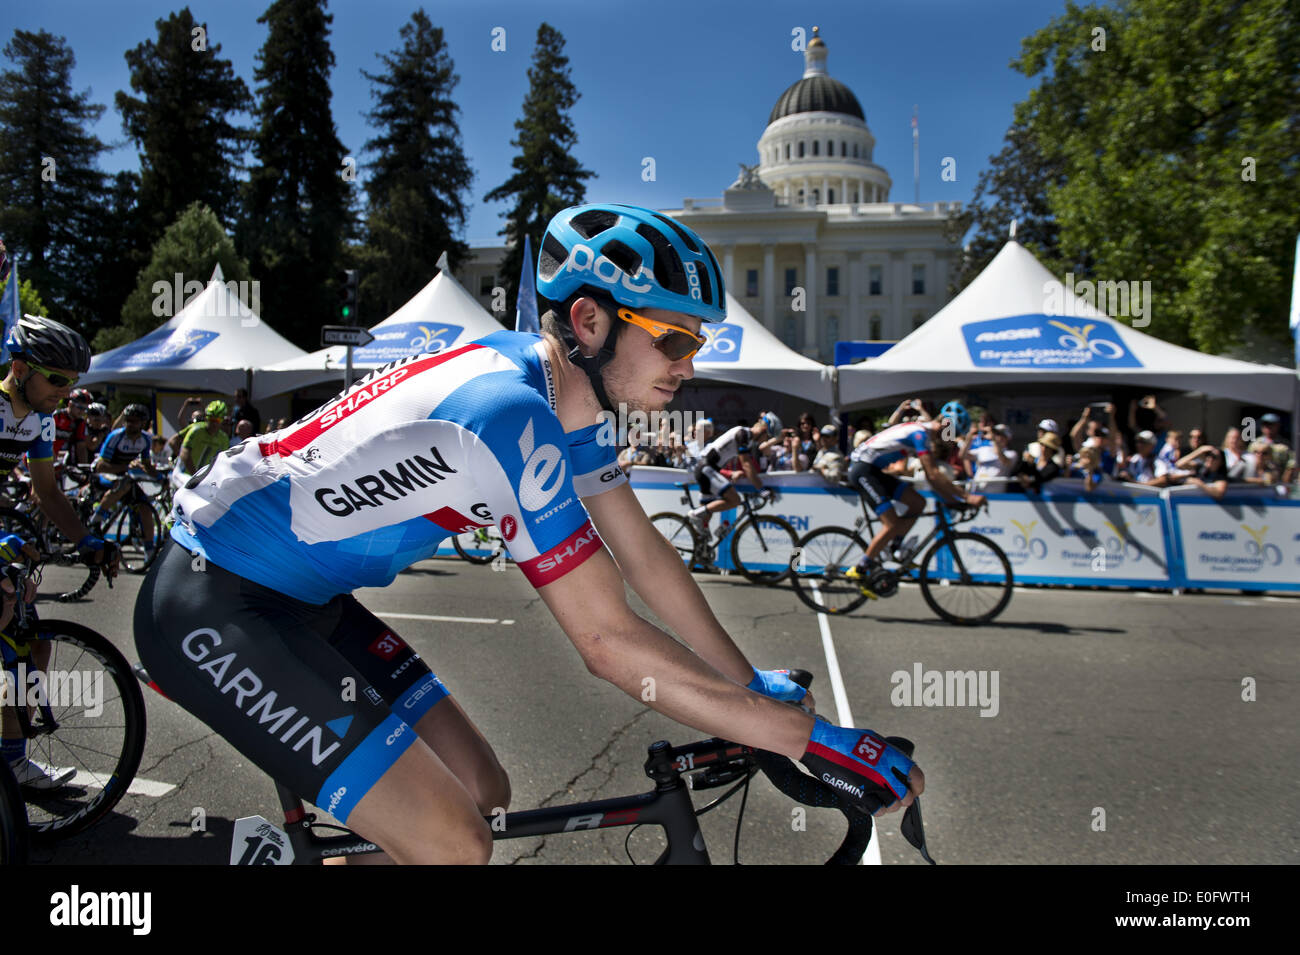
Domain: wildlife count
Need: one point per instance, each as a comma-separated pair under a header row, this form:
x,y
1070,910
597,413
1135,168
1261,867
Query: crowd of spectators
x,y
1096,449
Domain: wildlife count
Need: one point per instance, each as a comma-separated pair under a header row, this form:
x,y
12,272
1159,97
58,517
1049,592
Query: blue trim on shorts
x,y
359,772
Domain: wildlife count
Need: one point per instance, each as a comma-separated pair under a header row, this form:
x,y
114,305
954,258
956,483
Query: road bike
x,y
675,771
761,544
481,545
964,577
70,693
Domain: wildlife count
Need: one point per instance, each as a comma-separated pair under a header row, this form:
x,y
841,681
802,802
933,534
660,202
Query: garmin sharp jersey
x,y
728,445
120,448
32,435
894,444
373,481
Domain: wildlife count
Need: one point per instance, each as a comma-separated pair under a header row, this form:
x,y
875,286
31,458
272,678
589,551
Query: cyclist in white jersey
x,y
717,493
255,637
896,502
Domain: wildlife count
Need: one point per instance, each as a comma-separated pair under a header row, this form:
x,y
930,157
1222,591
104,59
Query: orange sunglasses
x,y
673,340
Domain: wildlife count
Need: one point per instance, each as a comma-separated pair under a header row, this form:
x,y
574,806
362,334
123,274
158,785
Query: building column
x,y
901,326
769,286
844,189
826,189
810,299
728,260
857,282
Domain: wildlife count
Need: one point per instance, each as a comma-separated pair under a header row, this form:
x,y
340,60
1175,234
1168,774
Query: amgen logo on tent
x,y
162,347
406,338
723,342
1043,341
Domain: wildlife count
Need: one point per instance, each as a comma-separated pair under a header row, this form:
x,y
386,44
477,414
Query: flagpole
x,y
916,157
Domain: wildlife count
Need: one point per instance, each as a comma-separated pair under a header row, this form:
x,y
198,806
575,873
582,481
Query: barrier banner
x,y
1247,540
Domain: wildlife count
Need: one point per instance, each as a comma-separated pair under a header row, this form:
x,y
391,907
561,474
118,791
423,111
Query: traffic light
x,y
348,294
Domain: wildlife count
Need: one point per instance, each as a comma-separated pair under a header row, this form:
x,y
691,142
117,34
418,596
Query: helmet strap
x,y
594,364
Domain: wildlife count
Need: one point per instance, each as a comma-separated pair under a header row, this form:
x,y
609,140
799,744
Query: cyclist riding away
x,y
46,358
717,493
897,503
248,621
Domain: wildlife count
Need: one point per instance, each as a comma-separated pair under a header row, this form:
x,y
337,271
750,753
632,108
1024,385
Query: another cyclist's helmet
x,y
97,409
216,409
772,421
635,256
80,396
136,411
956,412
43,341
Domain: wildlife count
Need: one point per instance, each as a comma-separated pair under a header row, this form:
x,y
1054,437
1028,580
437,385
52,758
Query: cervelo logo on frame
x,y
583,259
539,468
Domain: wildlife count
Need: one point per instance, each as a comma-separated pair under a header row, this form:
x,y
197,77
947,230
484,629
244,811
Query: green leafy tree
x,y
190,248
1171,137
53,187
547,176
420,177
298,208
180,122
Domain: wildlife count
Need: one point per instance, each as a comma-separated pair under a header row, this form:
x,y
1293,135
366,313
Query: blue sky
x,y
688,83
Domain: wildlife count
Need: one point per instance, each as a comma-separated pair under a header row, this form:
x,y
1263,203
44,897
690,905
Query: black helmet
x,y
44,341
135,411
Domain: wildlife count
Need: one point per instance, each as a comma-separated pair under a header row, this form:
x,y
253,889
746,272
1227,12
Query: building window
x,y
875,328
830,196
801,197
486,284
917,320
787,150
816,143
817,197
855,150
855,195
918,280
791,332
791,280
844,148
801,149
875,280
830,147
751,283
833,281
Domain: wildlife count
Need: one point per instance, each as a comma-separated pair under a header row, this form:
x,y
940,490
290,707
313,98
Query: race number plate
x,y
257,842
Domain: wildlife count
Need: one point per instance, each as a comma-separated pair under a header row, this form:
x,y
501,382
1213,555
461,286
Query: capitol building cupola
x,y
817,148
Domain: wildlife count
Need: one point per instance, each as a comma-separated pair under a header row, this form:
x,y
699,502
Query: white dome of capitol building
x,y
815,214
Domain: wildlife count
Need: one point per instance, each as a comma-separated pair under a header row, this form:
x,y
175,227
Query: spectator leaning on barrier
x,y
1044,462
1234,455
1283,456
1087,468
1204,468
1265,464
1144,467
829,462
994,459
1171,450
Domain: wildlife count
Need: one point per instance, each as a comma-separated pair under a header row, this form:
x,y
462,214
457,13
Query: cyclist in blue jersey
x,y
46,358
895,501
247,618
124,447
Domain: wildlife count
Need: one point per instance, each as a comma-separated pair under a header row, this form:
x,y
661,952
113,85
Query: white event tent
x,y
742,351
441,315
209,345
1017,324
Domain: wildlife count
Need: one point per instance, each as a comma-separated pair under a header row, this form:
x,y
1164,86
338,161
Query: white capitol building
x,y
813,214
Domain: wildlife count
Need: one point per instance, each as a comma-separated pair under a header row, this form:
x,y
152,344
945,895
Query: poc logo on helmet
x,y
583,259
693,279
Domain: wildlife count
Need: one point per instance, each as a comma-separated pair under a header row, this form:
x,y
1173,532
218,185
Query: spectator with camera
x,y
829,462
994,458
1087,468
1145,467
1205,468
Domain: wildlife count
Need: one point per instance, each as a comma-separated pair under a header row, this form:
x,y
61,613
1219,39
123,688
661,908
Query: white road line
x,y
843,715
139,786
381,614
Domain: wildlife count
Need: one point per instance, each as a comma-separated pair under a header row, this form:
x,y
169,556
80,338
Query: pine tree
x,y
547,176
189,248
180,124
420,177
298,205
49,167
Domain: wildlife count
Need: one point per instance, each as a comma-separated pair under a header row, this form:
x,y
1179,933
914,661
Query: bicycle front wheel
x,y
966,579
479,546
677,531
91,719
761,548
818,568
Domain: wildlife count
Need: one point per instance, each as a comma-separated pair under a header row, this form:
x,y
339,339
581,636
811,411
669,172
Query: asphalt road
x,y
1117,704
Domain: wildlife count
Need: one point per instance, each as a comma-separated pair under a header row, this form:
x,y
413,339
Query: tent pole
x,y
248,382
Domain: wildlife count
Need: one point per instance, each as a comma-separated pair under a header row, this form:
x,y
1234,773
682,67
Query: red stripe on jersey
x,y
563,557
347,405
450,519
839,759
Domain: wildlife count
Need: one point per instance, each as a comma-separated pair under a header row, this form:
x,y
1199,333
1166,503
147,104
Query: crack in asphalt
x,y
569,788
145,770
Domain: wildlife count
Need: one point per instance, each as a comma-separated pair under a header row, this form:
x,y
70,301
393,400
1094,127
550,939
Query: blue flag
x,y
10,310
526,309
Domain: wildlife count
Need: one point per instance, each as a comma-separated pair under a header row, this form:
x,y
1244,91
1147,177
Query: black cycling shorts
x,y
713,483
322,698
878,489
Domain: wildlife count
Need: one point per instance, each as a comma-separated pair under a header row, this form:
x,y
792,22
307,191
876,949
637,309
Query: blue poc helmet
x,y
625,255
956,412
